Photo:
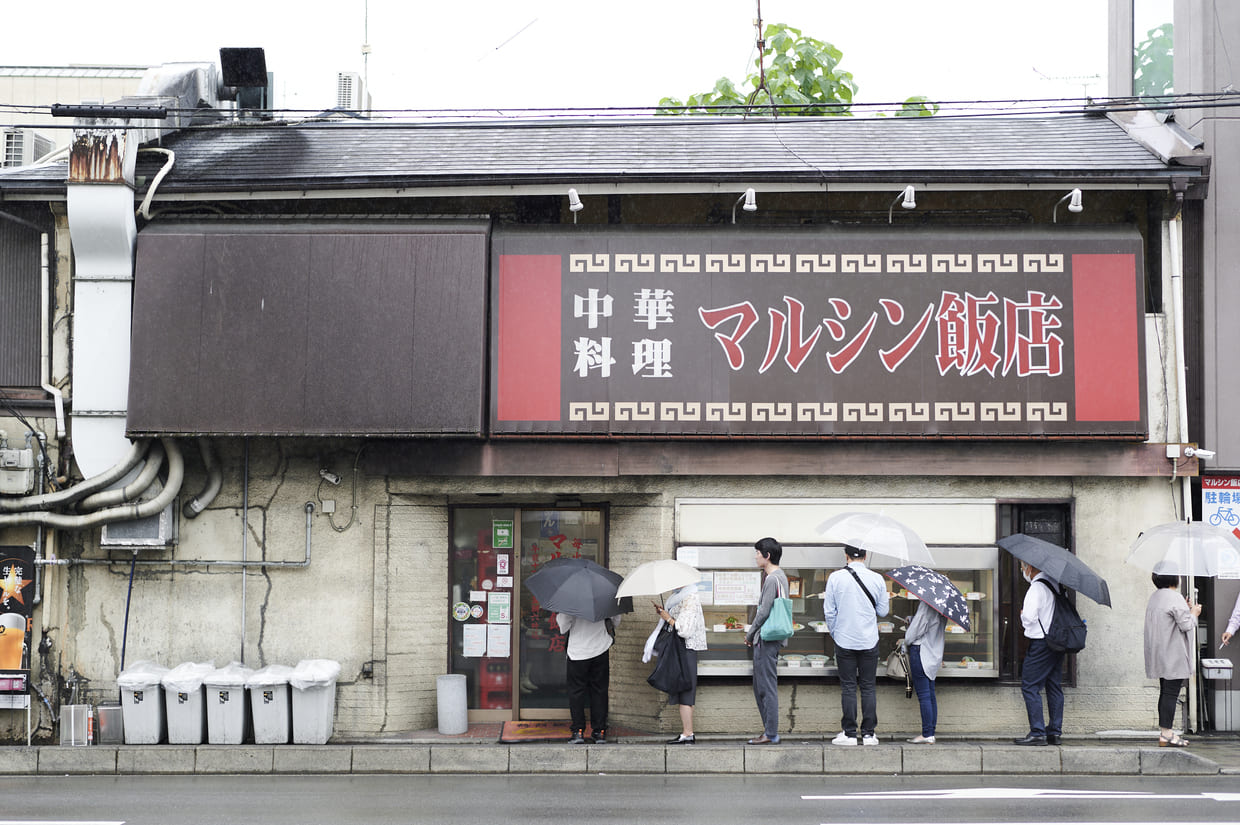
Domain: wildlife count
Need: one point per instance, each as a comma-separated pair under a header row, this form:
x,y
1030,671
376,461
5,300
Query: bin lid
x,y
188,676
233,674
269,675
139,675
314,673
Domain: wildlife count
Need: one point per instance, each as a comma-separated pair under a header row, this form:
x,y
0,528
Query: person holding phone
x,y
683,614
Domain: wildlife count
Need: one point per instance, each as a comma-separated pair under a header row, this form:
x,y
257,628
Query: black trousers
x,y
588,680
1168,698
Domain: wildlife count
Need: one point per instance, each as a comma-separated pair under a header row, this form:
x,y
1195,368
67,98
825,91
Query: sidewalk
x,y
479,751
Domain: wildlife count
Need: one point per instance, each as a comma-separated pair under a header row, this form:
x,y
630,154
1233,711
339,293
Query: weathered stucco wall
x,y
374,596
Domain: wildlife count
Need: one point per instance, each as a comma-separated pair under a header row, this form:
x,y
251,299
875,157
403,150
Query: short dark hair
x,y
853,552
769,548
1162,580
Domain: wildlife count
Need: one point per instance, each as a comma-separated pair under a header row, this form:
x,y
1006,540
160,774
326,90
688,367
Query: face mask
x,y
1024,573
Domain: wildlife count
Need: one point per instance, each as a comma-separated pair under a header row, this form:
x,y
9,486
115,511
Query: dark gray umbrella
x,y
1058,563
578,587
935,589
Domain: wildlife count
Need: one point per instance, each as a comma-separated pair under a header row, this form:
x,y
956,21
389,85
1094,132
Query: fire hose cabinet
x,y
142,703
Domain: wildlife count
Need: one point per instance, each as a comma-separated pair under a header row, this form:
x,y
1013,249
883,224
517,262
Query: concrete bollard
x,y
453,709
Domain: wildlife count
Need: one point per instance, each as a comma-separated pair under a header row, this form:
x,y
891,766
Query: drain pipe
x,y
215,480
262,563
45,368
131,491
245,532
127,512
78,491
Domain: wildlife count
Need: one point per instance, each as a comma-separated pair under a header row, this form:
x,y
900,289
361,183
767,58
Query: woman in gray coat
x,y
1170,622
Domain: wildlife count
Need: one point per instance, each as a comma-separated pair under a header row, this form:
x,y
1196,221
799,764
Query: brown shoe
x,y
764,740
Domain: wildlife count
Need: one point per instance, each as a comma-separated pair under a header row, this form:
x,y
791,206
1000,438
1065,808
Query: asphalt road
x,y
634,800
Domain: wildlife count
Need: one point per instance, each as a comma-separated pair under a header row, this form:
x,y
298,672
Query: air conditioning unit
x,y
351,92
22,147
159,530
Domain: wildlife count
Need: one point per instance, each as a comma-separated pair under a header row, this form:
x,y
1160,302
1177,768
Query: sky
x,y
520,54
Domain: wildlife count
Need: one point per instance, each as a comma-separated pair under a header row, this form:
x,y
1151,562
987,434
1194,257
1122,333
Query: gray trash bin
x,y
453,708
314,700
228,717
271,706
142,703
185,698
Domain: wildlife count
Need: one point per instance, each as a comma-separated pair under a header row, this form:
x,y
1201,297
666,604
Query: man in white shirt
x,y
855,597
588,674
1042,667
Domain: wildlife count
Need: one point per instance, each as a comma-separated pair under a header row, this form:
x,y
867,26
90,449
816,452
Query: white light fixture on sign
x,y
751,203
907,199
1074,204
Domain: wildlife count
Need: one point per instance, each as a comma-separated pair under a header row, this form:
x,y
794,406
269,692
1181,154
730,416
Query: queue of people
x,y
855,598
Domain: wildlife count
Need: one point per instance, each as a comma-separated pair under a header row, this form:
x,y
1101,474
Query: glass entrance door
x,y
505,643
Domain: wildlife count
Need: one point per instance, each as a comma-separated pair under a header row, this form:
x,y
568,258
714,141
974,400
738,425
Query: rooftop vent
x,y
245,75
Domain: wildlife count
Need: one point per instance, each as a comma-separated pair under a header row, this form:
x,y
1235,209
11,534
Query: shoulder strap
x,y
864,589
1055,594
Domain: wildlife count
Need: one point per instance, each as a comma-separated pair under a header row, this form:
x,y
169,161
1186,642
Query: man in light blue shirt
x,y
856,597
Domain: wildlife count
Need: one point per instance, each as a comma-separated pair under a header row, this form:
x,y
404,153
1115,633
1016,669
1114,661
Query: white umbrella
x,y
876,533
658,577
1186,548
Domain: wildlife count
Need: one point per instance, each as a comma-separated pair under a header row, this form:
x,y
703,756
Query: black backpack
x,y
1067,631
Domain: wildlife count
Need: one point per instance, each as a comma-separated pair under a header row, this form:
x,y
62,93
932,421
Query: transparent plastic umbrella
x,y
876,533
1186,548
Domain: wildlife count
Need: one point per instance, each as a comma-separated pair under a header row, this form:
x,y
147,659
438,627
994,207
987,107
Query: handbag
x,y
778,624
671,672
898,667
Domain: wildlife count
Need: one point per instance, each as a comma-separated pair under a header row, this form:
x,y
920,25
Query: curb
x,y
633,758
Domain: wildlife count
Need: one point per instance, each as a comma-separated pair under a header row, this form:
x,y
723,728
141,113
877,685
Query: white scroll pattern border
x,y
764,412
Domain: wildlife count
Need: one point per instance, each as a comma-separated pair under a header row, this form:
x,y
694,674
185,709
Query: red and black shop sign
x,y
818,333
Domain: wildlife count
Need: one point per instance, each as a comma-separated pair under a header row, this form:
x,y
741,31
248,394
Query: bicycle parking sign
x,y
1220,505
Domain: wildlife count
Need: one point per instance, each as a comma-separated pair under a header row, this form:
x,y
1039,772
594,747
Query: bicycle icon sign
x,y
1224,514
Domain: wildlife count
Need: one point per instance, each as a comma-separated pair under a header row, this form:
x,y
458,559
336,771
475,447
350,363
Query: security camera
x,y
1198,452
330,477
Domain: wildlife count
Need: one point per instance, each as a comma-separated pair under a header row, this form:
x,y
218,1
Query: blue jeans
x,y
858,669
924,686
1042,668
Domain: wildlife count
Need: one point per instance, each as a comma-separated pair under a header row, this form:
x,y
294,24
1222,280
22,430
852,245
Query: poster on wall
x,y
824,333
1220,507
16,601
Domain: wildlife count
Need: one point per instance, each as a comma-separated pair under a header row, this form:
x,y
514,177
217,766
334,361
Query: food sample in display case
x,y
731,587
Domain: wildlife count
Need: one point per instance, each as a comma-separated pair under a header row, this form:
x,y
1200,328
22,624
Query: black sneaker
x,y
600,736
682,740
577,738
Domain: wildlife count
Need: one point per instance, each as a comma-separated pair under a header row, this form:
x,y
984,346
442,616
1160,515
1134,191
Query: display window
x,y
731,585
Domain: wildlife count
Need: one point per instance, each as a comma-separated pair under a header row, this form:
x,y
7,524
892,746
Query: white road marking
x,y
1017,793
62,822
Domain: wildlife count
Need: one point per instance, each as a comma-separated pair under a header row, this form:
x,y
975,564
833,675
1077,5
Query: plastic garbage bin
x,y
111,725
142,703
271,707
452,706
228,718
185,697
314,700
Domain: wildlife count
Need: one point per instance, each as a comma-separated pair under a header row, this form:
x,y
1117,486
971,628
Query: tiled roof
x,y
334,155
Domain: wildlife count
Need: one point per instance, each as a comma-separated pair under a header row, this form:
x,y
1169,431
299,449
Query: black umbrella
x,y
578,587
1058,563
935,589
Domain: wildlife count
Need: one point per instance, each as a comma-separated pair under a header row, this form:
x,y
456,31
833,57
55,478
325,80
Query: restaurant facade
x,y
374,375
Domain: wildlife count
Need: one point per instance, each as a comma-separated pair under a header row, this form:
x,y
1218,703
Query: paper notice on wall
x,y
1220,507
499,608
503,581
477,595
474,642
501,564
737,587
689,555
706,589
499,641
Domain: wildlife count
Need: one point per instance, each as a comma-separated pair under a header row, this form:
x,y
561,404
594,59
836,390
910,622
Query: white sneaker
x,y
844,739
922,740
870,740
